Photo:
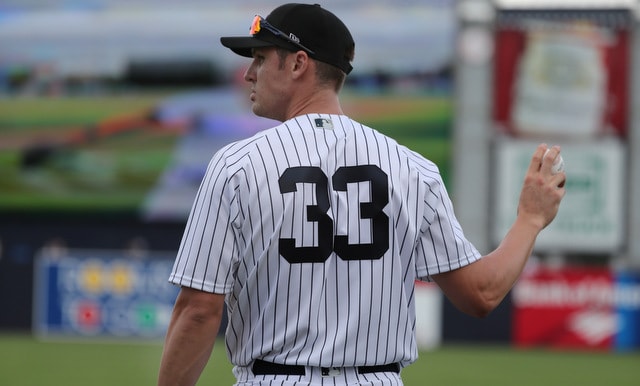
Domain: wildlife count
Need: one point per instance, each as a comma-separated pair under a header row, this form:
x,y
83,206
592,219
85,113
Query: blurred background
x,y
111,110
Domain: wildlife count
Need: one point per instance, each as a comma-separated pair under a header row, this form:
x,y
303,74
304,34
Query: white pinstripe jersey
x,y
317,230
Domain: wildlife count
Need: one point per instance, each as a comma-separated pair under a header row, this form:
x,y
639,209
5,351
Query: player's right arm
x,y
190,337
479,287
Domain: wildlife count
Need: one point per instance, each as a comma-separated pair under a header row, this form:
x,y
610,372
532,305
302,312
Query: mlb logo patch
x,y
324,123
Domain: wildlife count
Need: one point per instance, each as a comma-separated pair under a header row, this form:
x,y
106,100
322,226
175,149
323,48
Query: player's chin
x,y
256,108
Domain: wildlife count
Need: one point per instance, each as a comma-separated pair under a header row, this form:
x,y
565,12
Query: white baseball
x,y
558,165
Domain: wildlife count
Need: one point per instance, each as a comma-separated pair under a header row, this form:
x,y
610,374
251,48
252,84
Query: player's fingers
x,y
548,158
552,153
536,160
559,179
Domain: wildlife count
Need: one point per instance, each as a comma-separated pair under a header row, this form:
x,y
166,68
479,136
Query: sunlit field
x,y
24,361
108,152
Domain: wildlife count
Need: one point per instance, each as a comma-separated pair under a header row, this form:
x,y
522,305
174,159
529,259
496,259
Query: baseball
x,y
558,165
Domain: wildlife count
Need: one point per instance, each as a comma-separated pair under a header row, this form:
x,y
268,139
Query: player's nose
x,y
249,74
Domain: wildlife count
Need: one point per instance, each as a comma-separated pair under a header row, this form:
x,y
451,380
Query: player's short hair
x,y
326,74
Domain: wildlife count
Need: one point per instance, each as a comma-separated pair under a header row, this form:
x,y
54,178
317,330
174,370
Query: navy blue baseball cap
x,y
307,27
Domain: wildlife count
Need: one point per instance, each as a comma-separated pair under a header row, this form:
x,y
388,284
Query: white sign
x,y
428,316
591,215
561,82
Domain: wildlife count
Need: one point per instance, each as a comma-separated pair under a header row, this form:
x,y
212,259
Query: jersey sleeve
x,y
442,245
208,250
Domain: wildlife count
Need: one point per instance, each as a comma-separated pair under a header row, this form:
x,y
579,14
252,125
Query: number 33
x,y
327,241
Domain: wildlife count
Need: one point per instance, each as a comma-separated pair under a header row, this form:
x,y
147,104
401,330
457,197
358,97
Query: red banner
x,y
568,308
564,75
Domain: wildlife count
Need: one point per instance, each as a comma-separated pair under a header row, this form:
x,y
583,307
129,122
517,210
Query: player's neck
x,y
320,102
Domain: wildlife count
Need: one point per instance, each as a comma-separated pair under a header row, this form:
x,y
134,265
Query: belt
x,y
261,367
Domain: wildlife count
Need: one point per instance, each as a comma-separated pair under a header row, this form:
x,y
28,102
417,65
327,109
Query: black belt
x,y
261,367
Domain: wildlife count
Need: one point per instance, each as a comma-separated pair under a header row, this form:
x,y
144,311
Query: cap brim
x,y
242,45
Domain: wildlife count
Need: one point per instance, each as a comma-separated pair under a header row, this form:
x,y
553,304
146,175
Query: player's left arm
x,y
479,287
190,337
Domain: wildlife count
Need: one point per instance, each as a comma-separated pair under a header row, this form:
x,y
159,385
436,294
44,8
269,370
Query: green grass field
x,y
25,361
117,171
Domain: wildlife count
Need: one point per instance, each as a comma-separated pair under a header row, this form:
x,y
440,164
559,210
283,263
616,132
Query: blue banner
x,y
103,294
627,310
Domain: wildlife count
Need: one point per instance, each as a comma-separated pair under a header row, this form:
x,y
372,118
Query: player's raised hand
x,y
543,188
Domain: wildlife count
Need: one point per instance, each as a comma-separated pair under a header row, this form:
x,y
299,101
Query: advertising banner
x,y
562,73
577,308
591,217
102,294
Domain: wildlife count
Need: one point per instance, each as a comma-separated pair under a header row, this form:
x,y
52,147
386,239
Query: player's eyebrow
x,y
259,51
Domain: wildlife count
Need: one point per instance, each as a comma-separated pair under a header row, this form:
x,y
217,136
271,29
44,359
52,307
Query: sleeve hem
x,y
199,285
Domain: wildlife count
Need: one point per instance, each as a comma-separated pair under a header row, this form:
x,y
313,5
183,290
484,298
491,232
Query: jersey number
x,y
327,241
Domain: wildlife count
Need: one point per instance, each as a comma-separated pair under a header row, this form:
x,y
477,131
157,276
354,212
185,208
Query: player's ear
x,y
301,63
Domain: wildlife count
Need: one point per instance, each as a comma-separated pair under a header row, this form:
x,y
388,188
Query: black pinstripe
x,y
333,313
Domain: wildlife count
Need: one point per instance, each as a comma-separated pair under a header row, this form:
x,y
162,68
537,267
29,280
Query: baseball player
x,y
313,232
